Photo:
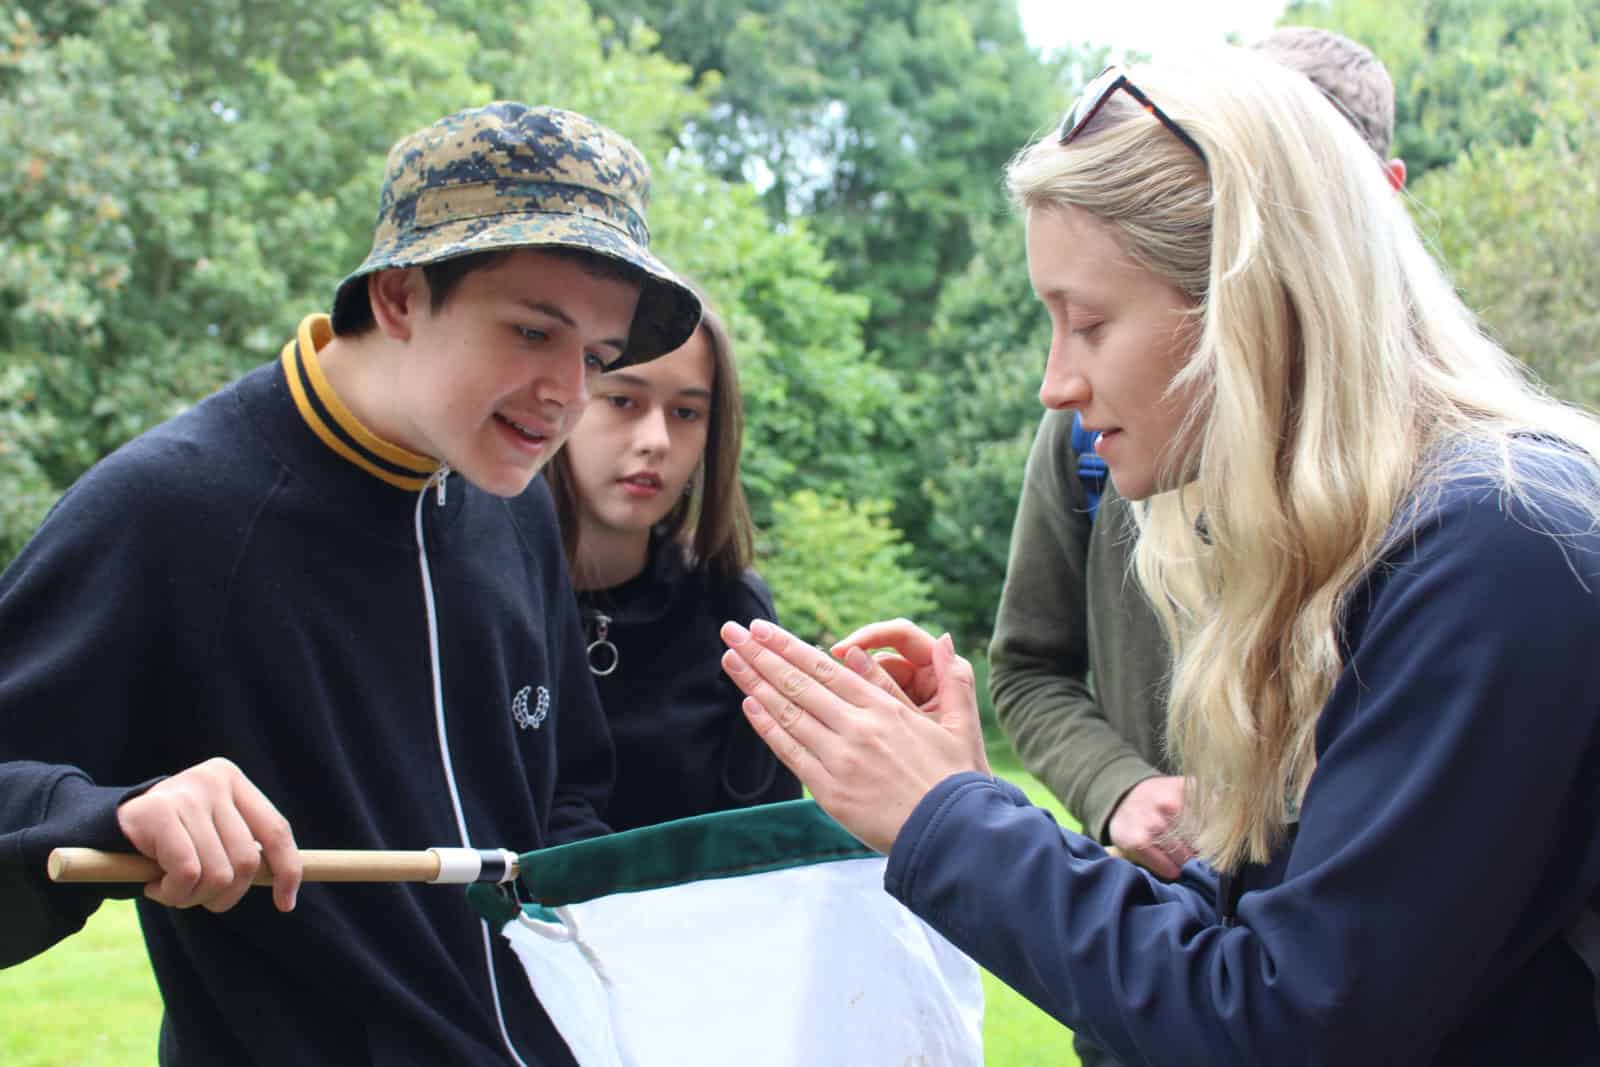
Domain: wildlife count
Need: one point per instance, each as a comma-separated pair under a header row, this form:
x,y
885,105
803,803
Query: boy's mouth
x,y
522,430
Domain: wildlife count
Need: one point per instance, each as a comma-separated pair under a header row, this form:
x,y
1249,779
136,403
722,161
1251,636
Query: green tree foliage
x,y
1519,226
179,183
993,336
885,125
1467,72
885,122
1495,117
836,566
813,400
28,491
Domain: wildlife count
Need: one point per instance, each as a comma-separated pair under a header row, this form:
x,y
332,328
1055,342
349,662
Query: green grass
x,y
91,1001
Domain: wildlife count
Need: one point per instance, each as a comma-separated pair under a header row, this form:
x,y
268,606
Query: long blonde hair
x,y
1339,377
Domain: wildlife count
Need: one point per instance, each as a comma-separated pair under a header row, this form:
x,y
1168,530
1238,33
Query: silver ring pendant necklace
x,y
603,655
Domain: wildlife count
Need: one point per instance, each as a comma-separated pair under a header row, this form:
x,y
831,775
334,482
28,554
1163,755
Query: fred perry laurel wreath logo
x,y
529,719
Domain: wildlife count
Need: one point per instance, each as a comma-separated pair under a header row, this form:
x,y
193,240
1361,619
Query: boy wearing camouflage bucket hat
x,y
331,585
508,176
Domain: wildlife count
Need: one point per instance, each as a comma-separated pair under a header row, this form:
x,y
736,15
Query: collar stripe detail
x,y
328,422
335,424
316,331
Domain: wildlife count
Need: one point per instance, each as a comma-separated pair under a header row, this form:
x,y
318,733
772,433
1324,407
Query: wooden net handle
x,y
320,865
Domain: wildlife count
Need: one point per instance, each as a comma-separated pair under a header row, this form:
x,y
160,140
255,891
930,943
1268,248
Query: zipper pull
x,y
603,655
441,476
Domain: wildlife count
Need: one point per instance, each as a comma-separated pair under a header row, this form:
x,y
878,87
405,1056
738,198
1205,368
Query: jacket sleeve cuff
x,y
926,818
81,813
35,914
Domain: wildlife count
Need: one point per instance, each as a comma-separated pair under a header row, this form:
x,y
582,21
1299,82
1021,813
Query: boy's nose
x,y
566,382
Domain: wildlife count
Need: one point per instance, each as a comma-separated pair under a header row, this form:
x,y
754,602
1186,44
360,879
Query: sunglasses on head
x,y
1094,97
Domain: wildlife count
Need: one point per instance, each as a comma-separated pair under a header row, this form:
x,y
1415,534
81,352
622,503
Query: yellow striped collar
x,y
334,423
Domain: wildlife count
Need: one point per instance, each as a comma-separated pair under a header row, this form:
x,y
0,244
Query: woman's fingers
x,y
769,700
875,670
902,635
795,736
957,687
906,652
785,745
799,673
844,729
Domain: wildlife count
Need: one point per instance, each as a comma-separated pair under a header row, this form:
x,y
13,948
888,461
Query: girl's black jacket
x,y
683,747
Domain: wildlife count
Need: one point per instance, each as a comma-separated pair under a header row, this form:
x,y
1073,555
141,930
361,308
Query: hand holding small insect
x,y
867,754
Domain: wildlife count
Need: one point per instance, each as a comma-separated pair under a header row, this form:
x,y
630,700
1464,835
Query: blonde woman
x,y
1375,550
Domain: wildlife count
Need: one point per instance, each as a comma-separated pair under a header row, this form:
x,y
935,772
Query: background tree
x,y
884,122
180,183
1496,117
992,336
885,126
1519,226
1467,72
820,548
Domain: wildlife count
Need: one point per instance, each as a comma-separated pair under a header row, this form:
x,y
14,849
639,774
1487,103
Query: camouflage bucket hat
x,y
509,176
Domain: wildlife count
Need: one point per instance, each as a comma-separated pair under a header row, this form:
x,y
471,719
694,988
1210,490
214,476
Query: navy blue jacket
x,y
1450,832
229,585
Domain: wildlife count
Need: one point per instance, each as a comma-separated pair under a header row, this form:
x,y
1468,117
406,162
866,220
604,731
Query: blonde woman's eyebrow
x,y
1065,296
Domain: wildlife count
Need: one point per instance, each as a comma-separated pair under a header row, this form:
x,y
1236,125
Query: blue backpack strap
x,y
1092,470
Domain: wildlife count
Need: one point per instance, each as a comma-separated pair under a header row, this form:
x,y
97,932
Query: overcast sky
x,y
1156,27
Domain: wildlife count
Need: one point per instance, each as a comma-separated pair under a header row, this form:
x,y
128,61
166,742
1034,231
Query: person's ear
x,y
1396,170
396,295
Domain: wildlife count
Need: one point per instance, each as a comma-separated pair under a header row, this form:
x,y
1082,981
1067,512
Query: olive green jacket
x,y
1072,610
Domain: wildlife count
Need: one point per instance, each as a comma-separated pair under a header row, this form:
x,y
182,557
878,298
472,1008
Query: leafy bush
x,y
834,566
1519,229
990,337
166,217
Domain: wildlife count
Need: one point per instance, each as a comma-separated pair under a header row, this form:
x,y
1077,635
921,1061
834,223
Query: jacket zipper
x,y
437,483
